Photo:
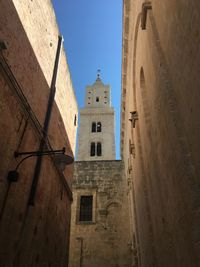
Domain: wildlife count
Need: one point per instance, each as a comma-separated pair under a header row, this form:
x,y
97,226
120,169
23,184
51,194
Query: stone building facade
x,y
160,130
100,224
34,229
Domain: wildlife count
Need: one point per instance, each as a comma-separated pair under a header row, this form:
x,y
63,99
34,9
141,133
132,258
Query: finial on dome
x,y
98,75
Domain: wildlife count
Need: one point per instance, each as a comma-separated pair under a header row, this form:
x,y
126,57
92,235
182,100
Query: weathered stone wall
x,y
33,235
160,80
105,240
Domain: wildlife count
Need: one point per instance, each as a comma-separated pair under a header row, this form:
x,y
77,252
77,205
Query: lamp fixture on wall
x,y
61,160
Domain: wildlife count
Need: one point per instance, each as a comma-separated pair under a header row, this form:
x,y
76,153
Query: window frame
x,y
85,211
86,192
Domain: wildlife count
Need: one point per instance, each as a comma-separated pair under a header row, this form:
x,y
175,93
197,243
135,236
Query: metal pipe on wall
x,y
46,124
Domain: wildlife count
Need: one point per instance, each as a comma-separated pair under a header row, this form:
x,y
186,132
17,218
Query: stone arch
x,y
134,56
112,202
112,208
145,103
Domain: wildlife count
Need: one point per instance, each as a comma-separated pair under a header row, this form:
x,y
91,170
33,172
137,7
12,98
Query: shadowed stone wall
x,y
33,235
160,148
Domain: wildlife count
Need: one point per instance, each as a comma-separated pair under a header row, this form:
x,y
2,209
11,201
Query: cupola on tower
x,y
96,140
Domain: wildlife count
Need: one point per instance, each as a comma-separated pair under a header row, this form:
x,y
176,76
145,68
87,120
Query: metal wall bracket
x,y
145,7
134,117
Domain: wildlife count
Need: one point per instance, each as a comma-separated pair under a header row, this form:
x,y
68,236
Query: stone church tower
x,y
100,230
96,132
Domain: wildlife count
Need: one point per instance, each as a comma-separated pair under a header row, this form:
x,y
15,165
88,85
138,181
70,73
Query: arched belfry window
x,y
93,127
92,149
98,149
98,126
95,149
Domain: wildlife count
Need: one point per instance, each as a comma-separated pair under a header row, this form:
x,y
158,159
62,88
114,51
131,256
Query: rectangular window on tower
x,y
86,203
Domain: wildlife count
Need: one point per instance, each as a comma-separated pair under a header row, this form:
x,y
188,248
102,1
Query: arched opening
x,y
98,126
92,149
94,127
99,152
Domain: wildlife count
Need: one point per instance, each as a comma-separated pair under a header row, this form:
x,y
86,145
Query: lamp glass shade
x,y
62,160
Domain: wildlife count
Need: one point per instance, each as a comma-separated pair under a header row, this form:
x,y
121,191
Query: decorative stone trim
x,y
134,117
129,166
131,148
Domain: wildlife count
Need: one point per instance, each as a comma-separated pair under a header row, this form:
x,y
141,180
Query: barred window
x,y
86,203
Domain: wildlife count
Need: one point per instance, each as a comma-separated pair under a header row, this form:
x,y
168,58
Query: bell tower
x,y
96,139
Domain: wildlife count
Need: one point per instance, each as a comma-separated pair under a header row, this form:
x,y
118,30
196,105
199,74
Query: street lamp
x,y
61,160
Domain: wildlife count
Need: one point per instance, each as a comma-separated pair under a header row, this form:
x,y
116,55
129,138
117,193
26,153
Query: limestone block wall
x,y
40,27
35,235
160,80
105,241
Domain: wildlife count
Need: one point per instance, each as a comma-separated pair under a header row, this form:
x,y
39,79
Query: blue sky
x,y
92,31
